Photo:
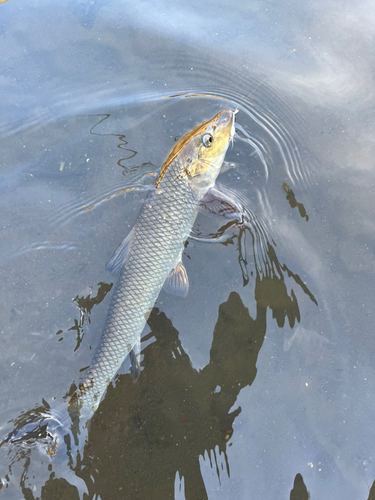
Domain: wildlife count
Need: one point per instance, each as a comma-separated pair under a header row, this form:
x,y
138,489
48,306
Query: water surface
x,y
260,382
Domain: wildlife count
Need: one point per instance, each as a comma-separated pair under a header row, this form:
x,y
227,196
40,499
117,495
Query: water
x,y
243,387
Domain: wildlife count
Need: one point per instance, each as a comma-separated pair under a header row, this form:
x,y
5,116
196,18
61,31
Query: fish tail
x,y
48,430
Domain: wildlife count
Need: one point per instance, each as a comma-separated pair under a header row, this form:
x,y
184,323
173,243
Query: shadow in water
x,y
371,495
299,491
143,434
290,196
85,305
146,432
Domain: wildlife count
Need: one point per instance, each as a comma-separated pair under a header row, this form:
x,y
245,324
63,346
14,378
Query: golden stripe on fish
x,y
180,145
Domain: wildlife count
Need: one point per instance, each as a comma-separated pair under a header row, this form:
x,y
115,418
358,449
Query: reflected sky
x,y
95,94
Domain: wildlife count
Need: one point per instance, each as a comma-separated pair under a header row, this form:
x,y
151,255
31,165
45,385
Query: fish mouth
x,y
225,122
233,129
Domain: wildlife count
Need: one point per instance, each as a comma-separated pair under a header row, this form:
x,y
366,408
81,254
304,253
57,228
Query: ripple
x,y
277,120
269,137
268,125
66,212
271,126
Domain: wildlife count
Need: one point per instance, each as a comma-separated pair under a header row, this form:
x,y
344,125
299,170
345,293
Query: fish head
x,y
201,151
206,151
214,140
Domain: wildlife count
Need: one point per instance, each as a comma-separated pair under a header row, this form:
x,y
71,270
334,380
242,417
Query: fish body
x,y
151,254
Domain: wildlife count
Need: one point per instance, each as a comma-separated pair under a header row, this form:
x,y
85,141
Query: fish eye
x,y
207,140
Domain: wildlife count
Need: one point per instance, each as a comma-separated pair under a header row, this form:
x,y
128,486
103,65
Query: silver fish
x,y
150,256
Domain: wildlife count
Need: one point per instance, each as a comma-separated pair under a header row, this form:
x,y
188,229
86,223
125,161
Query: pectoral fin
x,y
177,282
118,259
218,204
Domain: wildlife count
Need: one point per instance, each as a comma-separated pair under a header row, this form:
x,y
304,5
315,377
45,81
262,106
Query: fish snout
x,y
226,122
226,118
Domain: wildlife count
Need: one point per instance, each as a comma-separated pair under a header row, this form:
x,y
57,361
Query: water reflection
x,y
311,64
144,433
294,203
372,492
299,491
85,305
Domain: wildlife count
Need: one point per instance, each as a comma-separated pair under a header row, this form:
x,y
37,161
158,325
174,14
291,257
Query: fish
x,y
150,257
148,260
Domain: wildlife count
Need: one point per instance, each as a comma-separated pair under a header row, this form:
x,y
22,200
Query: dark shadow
x,y
299,491
144,433
371,495
85,305
294,203
59,489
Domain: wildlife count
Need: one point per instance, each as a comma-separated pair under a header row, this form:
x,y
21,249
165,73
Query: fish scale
x,y
158,238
